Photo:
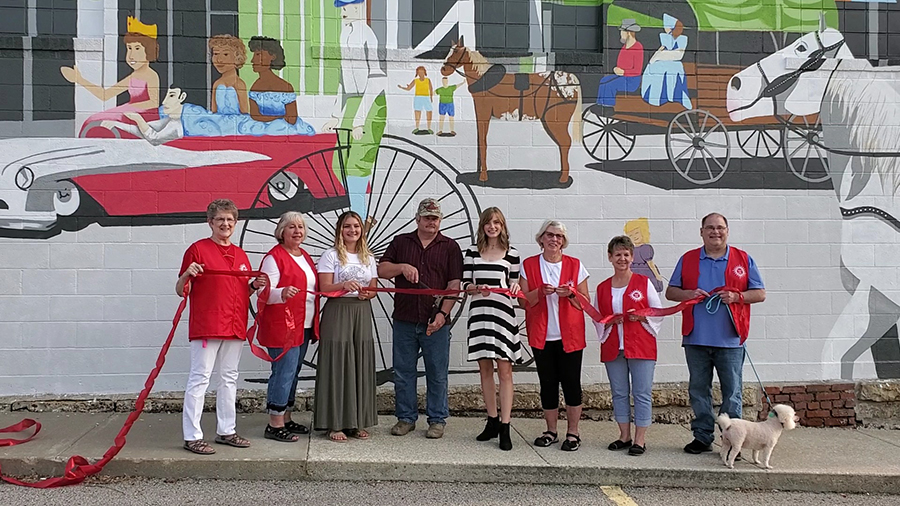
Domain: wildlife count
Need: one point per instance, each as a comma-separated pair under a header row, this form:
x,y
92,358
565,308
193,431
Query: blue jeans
x,y
282,387
640,387
729,365
409,338
610,86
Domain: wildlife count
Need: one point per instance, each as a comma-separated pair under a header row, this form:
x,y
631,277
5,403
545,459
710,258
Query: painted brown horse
x,y
554,98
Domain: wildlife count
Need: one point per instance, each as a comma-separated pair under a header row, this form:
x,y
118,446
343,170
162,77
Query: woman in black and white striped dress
x,y
493,330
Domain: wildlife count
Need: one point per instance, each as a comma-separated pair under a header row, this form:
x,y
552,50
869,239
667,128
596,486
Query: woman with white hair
x,y
293,278
555,325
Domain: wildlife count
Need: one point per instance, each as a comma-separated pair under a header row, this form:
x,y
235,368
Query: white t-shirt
x,y
652,325
271,269
550,274
353,270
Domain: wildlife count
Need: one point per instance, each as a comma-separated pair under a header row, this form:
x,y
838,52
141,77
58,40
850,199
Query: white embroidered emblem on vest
x,y
636,295
243,268
739,272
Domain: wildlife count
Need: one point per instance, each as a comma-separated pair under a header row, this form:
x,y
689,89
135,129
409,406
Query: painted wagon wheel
x,y
801,144
698,146
757,142
606,139
403,174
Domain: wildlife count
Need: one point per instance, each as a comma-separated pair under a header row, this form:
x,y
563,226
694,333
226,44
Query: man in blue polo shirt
x,y
712,339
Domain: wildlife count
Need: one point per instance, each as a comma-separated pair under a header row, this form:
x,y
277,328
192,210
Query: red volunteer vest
x,y
639,343
273,327
737,273
570,318
220,305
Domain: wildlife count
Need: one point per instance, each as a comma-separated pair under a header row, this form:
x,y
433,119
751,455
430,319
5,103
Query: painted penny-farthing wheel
x,y
802,144
698,146
605,138
403,174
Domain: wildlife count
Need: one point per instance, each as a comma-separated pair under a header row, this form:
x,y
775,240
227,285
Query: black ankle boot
x,y
505,441
491,429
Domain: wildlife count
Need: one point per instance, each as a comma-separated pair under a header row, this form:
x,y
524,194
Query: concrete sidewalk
x,y
806,459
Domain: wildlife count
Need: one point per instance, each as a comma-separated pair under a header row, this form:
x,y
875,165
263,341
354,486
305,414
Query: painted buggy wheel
x,y
606,139
403,174
758,142
66,198
802,143
698,146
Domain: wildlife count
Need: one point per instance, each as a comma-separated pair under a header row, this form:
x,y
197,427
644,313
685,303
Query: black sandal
x,y
295,428
280,434
571,445
618,444
637,450
546,439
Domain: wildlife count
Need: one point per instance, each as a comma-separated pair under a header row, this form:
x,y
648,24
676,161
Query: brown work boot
x,y
402,428
435,431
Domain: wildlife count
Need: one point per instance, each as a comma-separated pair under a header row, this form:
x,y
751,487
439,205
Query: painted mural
x,y
322,106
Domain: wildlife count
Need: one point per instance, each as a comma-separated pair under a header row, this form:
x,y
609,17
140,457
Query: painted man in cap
x,y
422,259
360,105
626,76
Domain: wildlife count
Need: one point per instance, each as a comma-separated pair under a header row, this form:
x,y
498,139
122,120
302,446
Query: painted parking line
x,y
618,496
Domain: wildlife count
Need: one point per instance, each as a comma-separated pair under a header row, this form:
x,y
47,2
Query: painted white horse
x,y
859,108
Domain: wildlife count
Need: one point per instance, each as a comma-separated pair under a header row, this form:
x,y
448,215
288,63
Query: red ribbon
x,y
19,427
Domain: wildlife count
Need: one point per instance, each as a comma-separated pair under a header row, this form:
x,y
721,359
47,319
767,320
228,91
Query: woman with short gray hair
x,y
555,324
293,278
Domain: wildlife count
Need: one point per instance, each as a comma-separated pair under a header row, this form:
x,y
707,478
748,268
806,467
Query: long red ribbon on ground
x,y
78,468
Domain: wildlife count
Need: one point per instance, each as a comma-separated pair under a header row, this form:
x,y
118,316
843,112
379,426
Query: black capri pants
x,y
555,367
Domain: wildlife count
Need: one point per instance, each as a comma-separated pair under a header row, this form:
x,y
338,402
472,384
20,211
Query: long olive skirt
x,y
345,370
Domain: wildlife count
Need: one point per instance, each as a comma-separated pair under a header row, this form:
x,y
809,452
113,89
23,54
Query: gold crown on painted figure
x,y
135,26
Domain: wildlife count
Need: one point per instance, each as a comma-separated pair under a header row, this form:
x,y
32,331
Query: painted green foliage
x,y
743,15
309,31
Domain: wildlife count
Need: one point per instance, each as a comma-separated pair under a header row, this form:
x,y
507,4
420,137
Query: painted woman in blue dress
x,y
664,78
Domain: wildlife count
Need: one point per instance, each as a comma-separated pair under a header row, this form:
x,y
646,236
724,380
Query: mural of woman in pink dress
x,y
639,232
142,85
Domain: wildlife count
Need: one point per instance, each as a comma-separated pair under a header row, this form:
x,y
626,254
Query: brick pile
x,y
817,405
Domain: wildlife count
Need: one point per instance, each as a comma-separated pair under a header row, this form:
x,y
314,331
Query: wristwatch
x,y
446,316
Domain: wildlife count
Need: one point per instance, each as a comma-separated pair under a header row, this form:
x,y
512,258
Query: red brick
x,y
801,413
825,405
843,387
801,397
821,413
782,398
837,404
850,403
835,422
827,396
794,390
848,395
799,407
772,390
812,405
849,413
818,388
815,422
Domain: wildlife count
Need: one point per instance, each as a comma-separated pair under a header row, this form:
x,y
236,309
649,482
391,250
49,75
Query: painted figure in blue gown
x,y
664,78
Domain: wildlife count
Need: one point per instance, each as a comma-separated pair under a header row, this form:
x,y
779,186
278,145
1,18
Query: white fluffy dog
x,y
756,436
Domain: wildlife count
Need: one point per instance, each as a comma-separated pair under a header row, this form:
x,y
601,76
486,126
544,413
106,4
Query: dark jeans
x,y
729,364
409,338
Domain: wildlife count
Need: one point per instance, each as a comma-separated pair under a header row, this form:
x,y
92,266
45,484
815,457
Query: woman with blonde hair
x,y
345,372
292,275
493,330
229,92
555,325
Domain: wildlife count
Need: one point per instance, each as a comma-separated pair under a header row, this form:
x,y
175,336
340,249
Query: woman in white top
x,y
628,344
345,371
292,276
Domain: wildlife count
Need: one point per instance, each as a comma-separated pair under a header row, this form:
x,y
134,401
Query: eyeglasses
x,y
710,228
223,220
551,235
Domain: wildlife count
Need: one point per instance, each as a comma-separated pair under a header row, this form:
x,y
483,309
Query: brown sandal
x,y
233,440
200,447
337,436
357,433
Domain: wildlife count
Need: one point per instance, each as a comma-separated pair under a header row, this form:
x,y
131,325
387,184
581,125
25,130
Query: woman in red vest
x,y
628,344
217,327
555,325
290,320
